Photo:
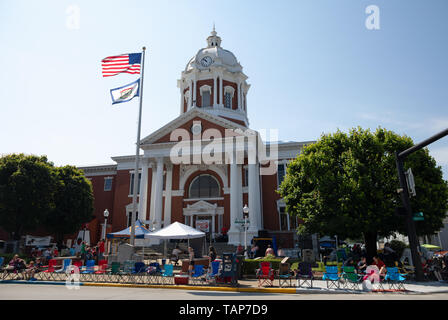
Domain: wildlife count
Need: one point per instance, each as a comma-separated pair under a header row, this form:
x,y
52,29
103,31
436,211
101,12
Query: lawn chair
x,y
198,274
126,273
153,272
285,275
114,275
100,274
304,275
331,276
351,279
138,273
214,271
66,263
395,279
168,274
265,274
88,271
48,273
373,275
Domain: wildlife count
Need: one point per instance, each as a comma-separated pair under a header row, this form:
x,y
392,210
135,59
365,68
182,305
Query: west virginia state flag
x,y
125,93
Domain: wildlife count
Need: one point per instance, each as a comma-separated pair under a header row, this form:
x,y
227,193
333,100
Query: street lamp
x,y
106,214
246,214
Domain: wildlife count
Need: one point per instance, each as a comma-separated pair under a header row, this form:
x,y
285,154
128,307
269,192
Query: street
x,y
60,292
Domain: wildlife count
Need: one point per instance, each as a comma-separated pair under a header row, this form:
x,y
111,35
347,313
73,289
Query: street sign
x,y
411,182
418,216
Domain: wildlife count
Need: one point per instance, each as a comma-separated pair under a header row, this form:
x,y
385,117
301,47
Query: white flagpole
x,y
137,155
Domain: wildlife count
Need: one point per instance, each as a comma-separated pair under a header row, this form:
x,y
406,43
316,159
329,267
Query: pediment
x,y
186,120
202,205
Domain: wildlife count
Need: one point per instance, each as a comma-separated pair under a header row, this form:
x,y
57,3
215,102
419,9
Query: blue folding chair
x,y
168,274
214,271
198,274
331,276
395,279
87,273
65,264
139,272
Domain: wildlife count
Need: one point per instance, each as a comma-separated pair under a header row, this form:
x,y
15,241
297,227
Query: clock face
x,y
196,128
206,61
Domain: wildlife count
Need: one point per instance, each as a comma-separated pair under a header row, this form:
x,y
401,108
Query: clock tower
x,y
213,80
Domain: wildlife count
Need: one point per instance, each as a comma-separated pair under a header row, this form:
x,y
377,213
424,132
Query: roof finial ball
x,y
214,40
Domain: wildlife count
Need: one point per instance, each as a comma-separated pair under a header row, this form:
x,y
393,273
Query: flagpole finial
x,y
144,48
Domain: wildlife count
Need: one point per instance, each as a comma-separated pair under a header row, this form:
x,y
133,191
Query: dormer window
x,y
206,92
228,95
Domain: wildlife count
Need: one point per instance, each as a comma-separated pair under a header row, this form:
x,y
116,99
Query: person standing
x,y
101,249
211,254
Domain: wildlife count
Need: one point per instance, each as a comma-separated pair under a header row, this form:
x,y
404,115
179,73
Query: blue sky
x,y
313,67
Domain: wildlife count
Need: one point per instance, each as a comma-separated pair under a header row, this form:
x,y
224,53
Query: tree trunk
x,y
370,242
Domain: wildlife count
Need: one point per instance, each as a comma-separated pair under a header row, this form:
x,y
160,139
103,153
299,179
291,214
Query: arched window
x,y
204,186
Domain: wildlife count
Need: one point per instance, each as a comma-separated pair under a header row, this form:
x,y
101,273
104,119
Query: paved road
x,y
60,292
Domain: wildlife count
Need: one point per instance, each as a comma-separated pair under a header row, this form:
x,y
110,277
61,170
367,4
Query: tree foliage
x,y
346,184
27,186
34,194
73,201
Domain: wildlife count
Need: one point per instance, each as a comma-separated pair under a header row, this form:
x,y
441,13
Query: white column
x,y
239,96
215,92
142,200
168,189
221,102
195,83
158,193
240,191
190,102
254,198
152,211
213,227
233,196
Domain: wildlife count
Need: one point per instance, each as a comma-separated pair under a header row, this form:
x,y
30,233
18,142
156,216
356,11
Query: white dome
x,y
219,57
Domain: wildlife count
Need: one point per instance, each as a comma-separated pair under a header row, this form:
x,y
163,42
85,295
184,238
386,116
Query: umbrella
x,y
430,246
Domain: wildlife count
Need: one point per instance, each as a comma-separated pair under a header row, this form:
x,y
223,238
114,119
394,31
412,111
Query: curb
x,y
222,289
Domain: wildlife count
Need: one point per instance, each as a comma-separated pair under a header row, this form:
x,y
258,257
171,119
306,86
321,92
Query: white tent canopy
x,y
176,230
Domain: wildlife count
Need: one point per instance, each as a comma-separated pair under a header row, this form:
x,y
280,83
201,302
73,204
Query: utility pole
x,y
404,193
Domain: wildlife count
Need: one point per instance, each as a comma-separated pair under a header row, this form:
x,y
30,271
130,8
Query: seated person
x,y
362,265
16,264
30,270
175,255
349,263
269,251
380,264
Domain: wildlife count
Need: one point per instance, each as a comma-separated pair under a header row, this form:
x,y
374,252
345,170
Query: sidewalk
x,y
251,285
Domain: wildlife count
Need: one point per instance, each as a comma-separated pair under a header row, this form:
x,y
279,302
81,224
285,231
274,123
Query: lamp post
x,y
106,214
245,213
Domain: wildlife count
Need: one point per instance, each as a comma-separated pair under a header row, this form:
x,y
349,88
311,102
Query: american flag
x,y
128,63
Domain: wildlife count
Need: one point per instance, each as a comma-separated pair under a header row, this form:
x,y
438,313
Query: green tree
x,y
346,184
27,186
73,202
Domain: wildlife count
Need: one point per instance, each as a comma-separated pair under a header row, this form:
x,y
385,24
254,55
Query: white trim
x,y
204,199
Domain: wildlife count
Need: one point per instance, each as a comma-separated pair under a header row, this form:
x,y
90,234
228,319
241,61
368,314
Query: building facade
x,y
203,166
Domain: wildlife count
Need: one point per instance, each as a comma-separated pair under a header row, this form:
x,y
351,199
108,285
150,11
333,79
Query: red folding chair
x,y
48,273
102,270
265,274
